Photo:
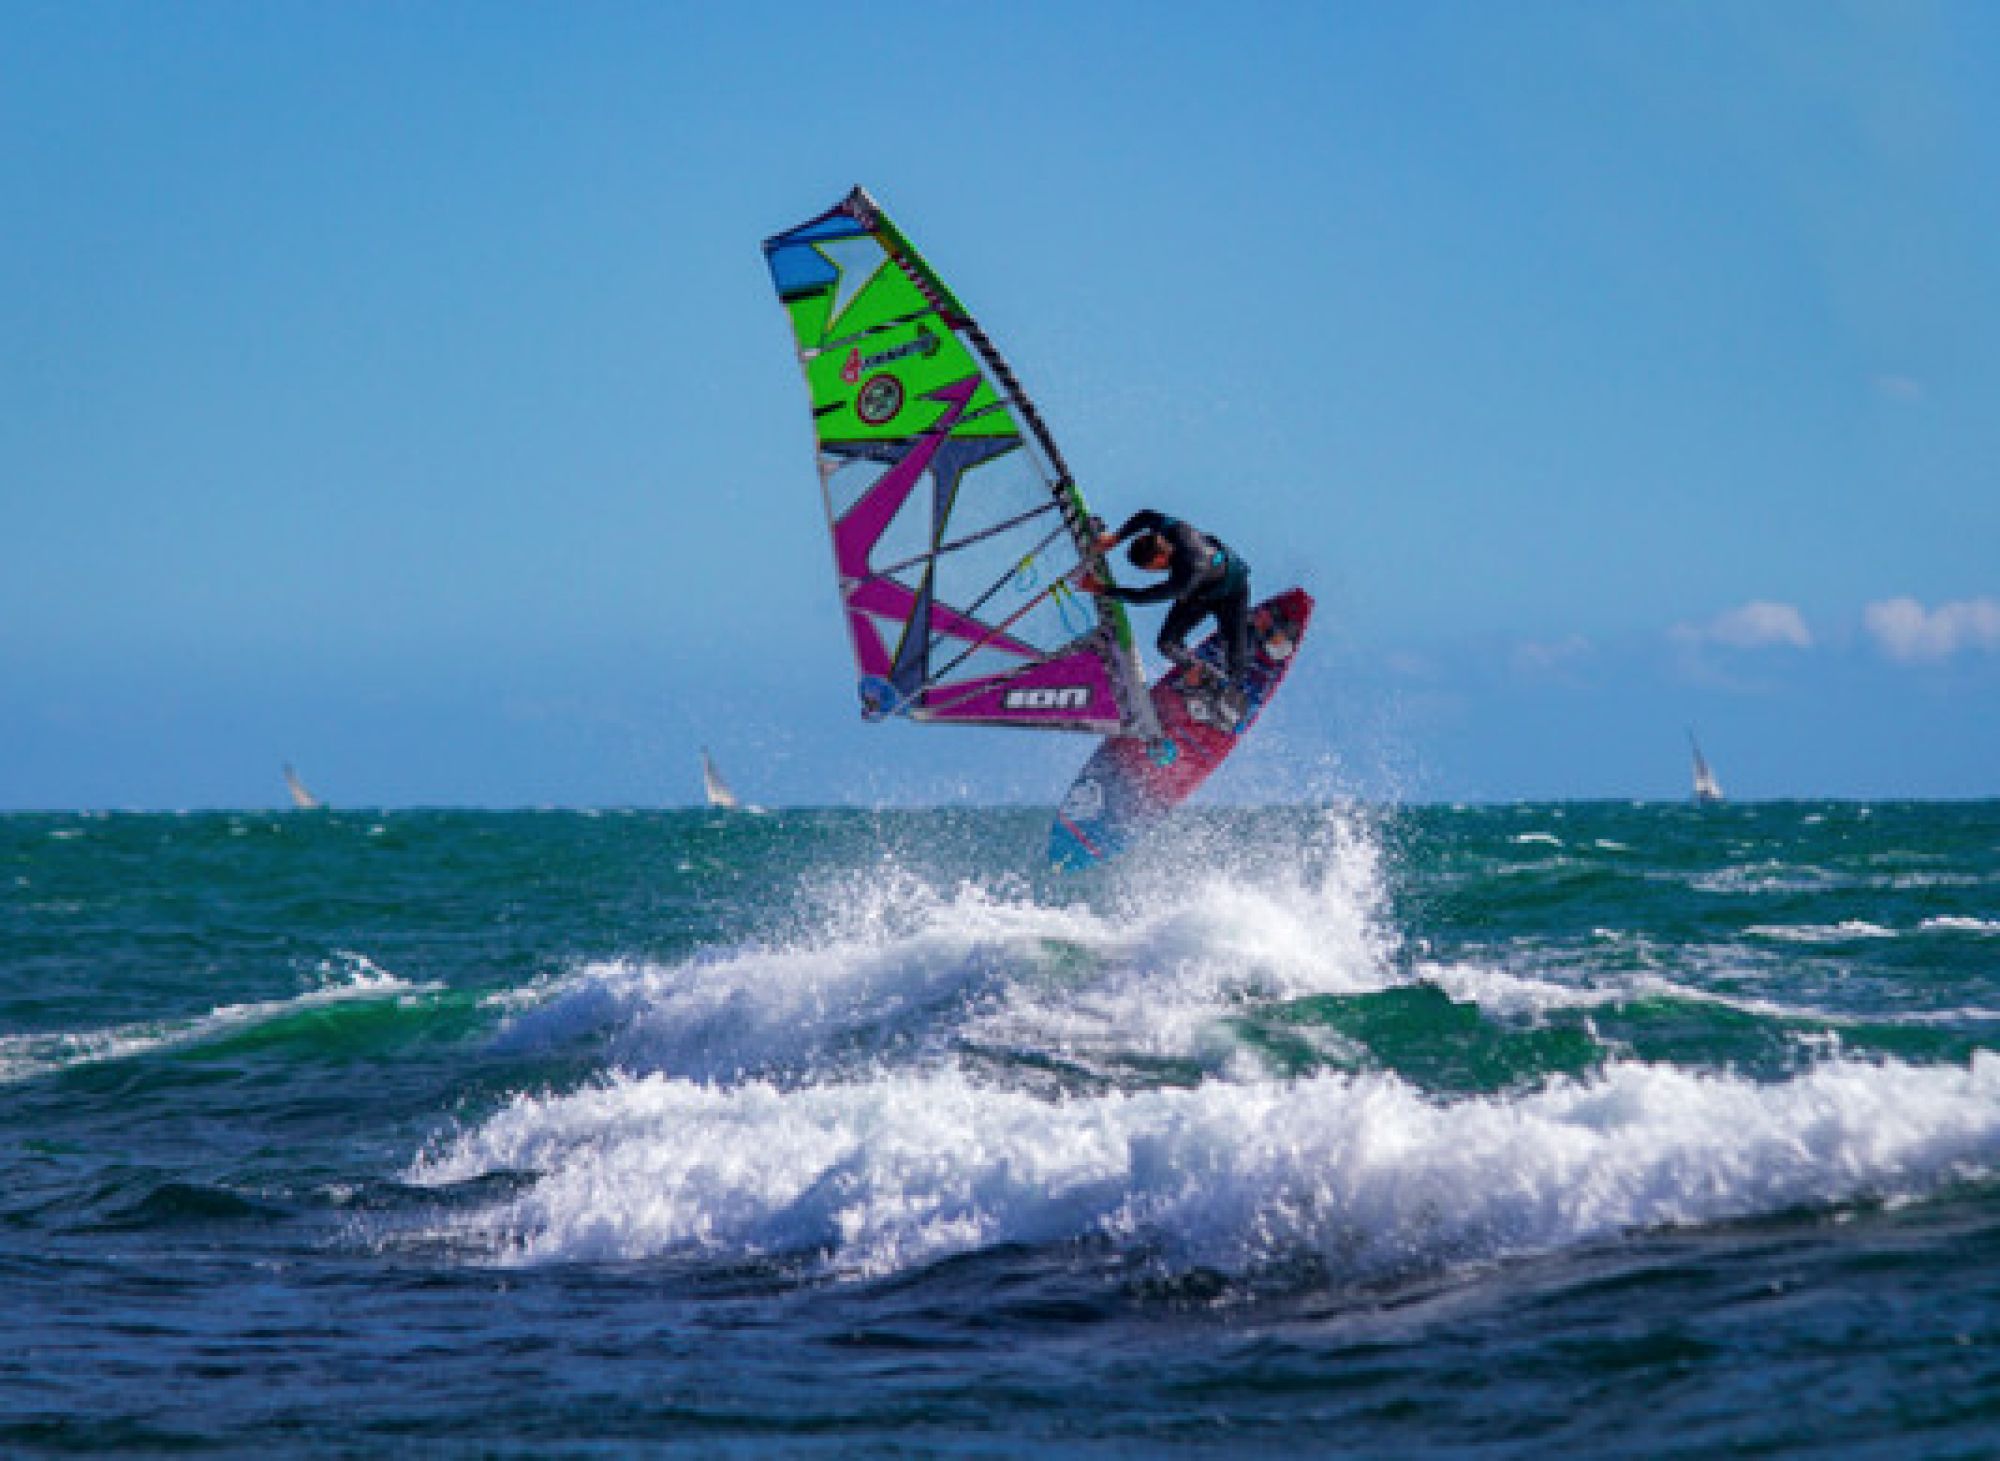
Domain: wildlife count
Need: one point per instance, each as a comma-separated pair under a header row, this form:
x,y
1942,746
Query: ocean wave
x,y
1521,997
1361,1173
1924,882
1846,931
890,966
348,979
1768,877
1961,925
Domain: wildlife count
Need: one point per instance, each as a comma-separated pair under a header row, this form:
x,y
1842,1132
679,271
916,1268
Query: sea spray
x,y
1363,1173
887,964
921,1071
860,1130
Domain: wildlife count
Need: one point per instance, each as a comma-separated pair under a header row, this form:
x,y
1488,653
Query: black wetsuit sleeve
x,y
1181,567
1179,576
1145,520
1152,593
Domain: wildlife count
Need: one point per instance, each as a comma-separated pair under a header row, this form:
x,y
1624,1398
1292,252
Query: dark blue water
x,y
1594,1129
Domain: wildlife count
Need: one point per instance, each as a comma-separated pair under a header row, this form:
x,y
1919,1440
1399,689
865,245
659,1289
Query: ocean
x,y
1589,1129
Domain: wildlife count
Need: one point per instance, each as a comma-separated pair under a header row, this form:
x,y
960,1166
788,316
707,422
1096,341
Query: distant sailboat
x,y
1707,790
720,797
304,800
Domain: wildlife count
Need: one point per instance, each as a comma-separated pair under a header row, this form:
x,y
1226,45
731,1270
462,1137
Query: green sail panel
x,y
957,529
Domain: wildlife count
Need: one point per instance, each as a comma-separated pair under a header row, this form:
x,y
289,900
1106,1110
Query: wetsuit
x,y
1203,577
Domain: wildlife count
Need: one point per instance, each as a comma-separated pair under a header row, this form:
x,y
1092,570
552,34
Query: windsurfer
x,y
1204,577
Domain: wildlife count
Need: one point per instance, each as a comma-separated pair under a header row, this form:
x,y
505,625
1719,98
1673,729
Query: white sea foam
x,y
350,978
1962,925
822,1096
888,964
767,1009
1364,1172
1768,877
1846,931
1508,995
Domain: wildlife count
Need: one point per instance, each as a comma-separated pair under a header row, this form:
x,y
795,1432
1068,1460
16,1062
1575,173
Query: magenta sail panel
x,y
1072,692
957,533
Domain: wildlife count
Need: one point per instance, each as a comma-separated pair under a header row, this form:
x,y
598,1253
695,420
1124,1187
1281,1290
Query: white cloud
x,y
1759,624
1910,634
1550,657
1899,387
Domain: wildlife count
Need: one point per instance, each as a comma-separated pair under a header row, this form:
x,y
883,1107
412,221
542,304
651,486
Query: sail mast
x,y
957,529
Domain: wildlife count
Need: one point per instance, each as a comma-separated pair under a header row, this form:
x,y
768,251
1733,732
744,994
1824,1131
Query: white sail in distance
x,y
1707,790
304,800
719,795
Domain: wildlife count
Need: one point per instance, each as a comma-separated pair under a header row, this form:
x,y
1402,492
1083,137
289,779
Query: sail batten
x,y
938,477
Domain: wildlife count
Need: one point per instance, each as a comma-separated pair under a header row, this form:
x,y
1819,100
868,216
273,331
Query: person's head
x,y
1149,551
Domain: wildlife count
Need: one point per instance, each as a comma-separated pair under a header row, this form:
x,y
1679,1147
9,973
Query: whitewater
x,y
1423,1130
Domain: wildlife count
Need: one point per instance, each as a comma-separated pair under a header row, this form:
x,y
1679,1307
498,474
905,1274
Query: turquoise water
x,y
1604,1129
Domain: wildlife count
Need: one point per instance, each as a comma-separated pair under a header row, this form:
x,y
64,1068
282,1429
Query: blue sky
x,y
398,391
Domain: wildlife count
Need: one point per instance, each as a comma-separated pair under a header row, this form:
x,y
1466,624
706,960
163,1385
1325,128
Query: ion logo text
x,y
1048,697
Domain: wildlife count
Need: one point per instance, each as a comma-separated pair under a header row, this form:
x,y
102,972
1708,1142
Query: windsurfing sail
x,y
719,795
1707,790
957,528
304,800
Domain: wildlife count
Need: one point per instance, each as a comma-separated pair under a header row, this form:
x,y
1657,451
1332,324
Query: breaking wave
x,y
918,1072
